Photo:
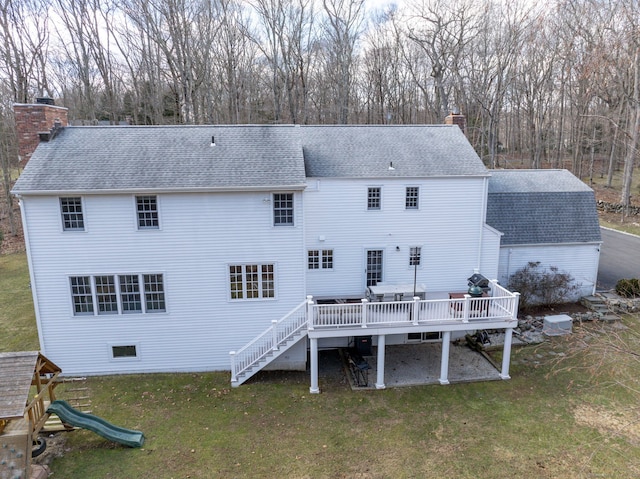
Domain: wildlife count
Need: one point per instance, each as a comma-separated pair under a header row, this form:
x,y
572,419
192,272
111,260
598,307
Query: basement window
x,y
128,351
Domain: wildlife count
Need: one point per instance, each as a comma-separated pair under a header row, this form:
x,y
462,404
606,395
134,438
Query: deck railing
x,y
502,306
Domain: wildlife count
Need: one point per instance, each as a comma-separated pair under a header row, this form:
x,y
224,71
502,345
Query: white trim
x,y
136,221
32,278
83,210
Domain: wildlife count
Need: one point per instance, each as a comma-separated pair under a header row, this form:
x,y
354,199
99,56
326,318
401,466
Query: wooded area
x,y
552,83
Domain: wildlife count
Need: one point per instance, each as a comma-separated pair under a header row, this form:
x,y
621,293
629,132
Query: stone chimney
x,y
36,122
455,118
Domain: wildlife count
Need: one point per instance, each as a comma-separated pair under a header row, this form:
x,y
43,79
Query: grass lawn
x,y
18,330
574,418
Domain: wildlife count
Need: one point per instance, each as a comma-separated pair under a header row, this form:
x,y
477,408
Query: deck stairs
x,y
269,345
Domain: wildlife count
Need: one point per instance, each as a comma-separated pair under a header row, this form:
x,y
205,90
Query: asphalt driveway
x,y
619,258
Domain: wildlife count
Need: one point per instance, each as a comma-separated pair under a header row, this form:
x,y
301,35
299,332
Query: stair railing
x,y
277,335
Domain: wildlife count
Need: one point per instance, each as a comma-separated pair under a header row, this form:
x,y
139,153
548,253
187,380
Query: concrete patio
x,y
419,364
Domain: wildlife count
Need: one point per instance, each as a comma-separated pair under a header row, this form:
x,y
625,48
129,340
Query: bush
x,y
628,288
539,286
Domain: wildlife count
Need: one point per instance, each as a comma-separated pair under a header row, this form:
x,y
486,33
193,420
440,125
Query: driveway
x,y
619,258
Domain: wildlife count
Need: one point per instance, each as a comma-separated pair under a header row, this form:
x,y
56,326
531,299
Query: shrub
x,y
540,286
628,288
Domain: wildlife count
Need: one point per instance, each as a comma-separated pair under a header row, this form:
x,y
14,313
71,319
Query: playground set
x,y
27,400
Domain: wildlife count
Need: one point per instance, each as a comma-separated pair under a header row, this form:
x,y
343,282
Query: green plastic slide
x,y
75,418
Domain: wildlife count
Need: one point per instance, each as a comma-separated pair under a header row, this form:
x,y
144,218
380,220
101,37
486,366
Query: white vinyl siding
x,y
191,251
580,261
447,227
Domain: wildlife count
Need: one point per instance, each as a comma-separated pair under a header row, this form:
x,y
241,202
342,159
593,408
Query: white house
x,y
163,248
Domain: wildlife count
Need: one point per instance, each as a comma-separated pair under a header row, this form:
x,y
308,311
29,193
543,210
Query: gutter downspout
x,y
32,278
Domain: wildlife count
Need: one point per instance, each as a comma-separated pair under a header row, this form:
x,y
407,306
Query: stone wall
x,y
616,208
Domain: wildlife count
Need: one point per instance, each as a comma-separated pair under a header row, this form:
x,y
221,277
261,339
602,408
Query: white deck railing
x,y
502,306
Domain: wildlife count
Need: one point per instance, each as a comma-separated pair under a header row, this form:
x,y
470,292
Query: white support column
x,y
506,353
380,361
274,332
314,389
444,361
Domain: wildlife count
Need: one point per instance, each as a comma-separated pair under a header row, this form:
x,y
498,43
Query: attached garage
x,y
546,216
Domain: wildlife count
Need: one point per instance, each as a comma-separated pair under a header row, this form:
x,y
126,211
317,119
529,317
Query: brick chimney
x,y
37,122
455,118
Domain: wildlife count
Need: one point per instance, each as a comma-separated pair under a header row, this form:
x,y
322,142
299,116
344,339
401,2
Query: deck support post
x,y
444,361
314,389
380,362
506,353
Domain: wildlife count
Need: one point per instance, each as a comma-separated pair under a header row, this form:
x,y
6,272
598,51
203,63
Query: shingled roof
x,y
168,158
367,151
541,207
182,158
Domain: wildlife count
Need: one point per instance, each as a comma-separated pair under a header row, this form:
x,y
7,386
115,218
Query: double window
x,y
117,294
320,259
283,209
147,210
252,281
72,217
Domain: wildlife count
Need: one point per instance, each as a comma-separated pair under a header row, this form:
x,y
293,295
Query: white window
x,y
283,209
252,281
415,255
81,295
320,259
72,216
117,294
374,195
412,196
147,210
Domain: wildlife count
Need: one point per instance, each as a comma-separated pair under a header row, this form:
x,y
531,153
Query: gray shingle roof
x,y
166,158
366,151
115,158
541,207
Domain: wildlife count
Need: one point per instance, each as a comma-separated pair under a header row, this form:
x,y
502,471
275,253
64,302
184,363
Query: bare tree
x,y
342,30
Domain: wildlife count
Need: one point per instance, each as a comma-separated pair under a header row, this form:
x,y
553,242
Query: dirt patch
x,y
620,423
56,447
565,308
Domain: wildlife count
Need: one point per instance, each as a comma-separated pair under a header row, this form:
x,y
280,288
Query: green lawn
x,y
18,330
573,418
